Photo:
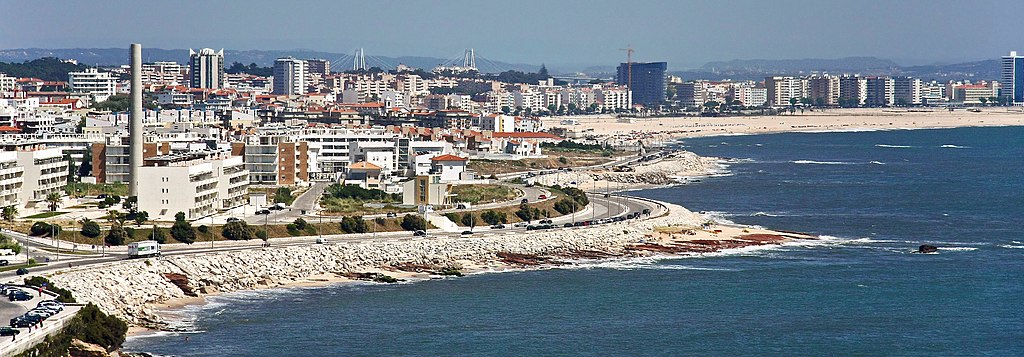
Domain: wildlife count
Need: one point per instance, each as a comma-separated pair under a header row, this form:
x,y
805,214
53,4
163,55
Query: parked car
x,y
546,221
31,318
524,201
263,211
51,305
4,262
44,313
466,233
233,219
392,214
568,225
419,233
542,197
22,322
21,271
498,226
520,225
19,296
321,241
7,331
102,196
276,208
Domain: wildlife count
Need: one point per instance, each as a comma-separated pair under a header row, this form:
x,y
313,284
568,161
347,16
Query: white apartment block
x,y
12,178
99,85
290,76
7,83
498,123
781,89
164,73
45,171
614,98
197,184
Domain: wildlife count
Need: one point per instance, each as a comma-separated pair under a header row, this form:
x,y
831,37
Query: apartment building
x,y
290,76
164,73
12,178
196,183
7,83
45,171
110,163
613,98
781,89
906,91
92,82
879,92
823,90
276,159
852,90
1012,77
206,68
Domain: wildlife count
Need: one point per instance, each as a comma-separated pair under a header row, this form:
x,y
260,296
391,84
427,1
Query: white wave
x,y
651,263
948,146
1009,246
766,214
717,216
823,162
878,163
958,249
893,146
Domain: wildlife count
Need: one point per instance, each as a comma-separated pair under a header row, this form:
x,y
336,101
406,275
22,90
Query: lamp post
x,y
593,212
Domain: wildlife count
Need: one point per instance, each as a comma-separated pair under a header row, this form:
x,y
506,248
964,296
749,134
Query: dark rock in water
x,y
925,248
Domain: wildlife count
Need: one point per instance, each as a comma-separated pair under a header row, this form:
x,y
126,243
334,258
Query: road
x,y
602,207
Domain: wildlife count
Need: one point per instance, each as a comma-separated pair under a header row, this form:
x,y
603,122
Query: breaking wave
x,y
823,162
947,146
893,146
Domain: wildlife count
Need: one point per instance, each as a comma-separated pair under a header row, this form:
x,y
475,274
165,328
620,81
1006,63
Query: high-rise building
x,y
206,68
319,66
879,92
781,89
906,90
1012,78
823,89
290,76
851,91
648,81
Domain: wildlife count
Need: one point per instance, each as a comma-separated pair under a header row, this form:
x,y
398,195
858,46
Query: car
x,y
263,211
22,322
102,196
19,296
568,225
45,313
32,318
4,262
524,201
276,208
21,271
546,221
542,197
392,214
532,227
321,241
647,211
233,219
520,225
51,305
7,290
498,226
7,331
466,233
419,233
460,206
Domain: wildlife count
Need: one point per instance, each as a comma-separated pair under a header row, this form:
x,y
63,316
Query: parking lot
x,y
11,309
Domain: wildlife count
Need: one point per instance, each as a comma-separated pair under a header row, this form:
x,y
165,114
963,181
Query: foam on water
x,y
812,162
949,146
893,146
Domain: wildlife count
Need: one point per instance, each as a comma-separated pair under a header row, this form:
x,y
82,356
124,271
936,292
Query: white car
x,y
321,241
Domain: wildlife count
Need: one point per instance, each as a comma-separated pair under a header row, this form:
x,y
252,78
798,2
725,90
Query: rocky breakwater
x,y
128,289
660,171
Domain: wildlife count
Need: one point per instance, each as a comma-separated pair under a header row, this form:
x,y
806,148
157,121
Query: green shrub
x,y
39,228
293,229
238,230
204,229
380,221
158,235
411,222
63,295
262,234
117,235
300,224
452,216
354,224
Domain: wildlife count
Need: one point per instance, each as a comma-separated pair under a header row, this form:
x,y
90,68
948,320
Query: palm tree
x,y
9,213
53,199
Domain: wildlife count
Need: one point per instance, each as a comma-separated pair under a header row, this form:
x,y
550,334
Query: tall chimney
x,y
135,121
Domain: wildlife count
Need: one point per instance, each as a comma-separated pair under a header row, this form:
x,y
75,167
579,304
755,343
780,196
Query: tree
x,y
158,235
493,217
131,205
469,219
86,168
238,230
283,195
354,224
506,109
140,218
182,231
90,229
711,106
116,236
411,222
72,169
525,213
301,224
983,100
53,199
10,213
792,105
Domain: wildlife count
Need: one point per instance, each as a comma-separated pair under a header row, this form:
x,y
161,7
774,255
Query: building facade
x,y
98,85
206,68
290,76
1012,78
646,81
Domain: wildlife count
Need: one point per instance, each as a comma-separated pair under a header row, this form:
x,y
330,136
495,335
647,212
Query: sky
x,y
686,34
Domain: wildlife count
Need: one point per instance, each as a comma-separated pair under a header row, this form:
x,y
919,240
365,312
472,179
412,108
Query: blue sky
x,y
684,33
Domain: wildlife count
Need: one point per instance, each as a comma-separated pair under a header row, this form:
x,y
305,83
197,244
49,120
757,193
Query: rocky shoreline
x,y
131,289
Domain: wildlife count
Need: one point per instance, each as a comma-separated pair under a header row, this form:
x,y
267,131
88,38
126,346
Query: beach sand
x,y
660,129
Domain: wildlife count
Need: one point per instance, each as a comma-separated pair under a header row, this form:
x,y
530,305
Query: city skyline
x,y
592,33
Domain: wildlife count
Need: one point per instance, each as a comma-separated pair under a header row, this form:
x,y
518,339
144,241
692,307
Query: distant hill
x,y
847,64
47,69
758,69
119,56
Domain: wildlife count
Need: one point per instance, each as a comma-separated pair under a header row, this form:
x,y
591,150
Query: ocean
x,y
874,197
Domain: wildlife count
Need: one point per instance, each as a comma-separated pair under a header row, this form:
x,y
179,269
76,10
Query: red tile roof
x,y
447,157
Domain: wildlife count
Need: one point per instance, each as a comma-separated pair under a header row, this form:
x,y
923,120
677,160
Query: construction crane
x,y
629,66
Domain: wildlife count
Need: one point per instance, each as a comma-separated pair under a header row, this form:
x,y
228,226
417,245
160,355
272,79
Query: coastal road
x,y
612,206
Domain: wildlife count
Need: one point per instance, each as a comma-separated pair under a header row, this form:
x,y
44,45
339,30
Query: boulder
x,y
81,348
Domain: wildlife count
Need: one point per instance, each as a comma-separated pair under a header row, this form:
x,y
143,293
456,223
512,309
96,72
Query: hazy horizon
x,y
560,34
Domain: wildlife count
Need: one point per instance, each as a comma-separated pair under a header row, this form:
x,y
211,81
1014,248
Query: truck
x,y
144,249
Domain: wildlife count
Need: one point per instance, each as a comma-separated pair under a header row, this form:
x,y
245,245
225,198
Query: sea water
x,y
873,196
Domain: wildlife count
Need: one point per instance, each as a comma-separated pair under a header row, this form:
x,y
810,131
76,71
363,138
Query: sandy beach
x,y
667,128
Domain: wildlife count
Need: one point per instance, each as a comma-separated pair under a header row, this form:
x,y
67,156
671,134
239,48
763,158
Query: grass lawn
x,y
45,215
483,193
89,189
19,266
353,207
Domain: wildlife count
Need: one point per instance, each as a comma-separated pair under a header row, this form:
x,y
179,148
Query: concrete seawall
x,y
125,288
